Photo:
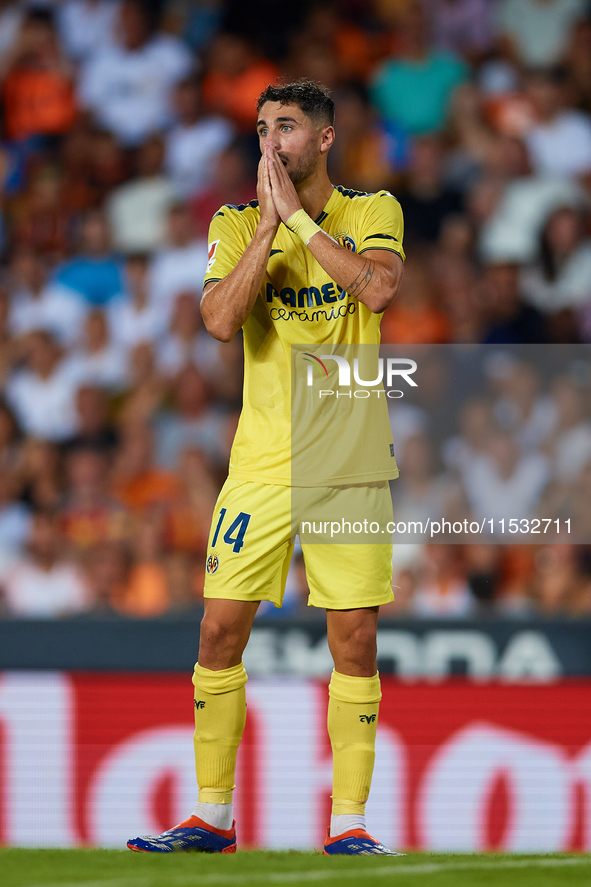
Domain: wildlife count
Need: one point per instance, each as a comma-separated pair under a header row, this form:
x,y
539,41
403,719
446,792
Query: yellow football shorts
x,y
251,544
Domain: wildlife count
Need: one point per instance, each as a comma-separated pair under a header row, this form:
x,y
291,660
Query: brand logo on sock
x,y
201,704
369,719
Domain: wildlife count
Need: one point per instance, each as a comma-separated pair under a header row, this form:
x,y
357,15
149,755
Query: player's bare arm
x,y
227,303
373,277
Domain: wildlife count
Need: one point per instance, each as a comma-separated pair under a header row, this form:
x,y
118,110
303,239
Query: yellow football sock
x,y
352,723
220,715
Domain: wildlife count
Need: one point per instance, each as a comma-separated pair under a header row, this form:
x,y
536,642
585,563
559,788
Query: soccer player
x,y
306,262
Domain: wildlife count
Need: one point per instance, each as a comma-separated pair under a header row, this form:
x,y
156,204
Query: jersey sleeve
x,y
225,244
382,226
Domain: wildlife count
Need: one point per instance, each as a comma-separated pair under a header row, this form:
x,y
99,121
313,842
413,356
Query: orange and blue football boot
x,y
192,834
357,842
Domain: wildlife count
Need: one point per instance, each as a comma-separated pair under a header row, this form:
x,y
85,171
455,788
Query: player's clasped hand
x,y
285,196
269,215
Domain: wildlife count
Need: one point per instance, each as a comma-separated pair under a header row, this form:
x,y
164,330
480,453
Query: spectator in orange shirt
x,y
414,317
38,90
137,483
236,77
145,594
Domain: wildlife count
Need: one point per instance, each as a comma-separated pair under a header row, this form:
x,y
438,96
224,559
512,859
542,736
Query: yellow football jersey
x,y
298,305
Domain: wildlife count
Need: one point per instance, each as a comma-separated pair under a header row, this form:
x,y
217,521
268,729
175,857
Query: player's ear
x,y
327,138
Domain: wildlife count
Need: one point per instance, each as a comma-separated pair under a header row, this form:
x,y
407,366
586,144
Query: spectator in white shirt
x,y
442,589
561,276
188,342
138,209
538,30
570,444
194,144
99,361
181,264
37,304
128,85
560,143
86,26
133,317
193,424
42,585
505,483
43,393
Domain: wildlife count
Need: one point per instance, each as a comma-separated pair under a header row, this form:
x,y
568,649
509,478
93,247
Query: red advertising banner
x,y
93,759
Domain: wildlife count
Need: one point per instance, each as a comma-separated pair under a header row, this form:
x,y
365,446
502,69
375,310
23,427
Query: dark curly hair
x,y
310,97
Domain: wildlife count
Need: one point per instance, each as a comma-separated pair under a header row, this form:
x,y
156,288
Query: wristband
x,y
302,225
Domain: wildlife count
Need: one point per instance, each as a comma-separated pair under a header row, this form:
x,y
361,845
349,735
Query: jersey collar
x,y
329,206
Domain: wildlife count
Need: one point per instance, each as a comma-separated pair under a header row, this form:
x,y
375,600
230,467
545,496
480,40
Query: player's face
x,y
297,139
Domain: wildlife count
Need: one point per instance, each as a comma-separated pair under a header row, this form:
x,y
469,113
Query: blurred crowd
x,y
126,124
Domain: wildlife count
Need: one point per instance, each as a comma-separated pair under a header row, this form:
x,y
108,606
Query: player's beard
x,y
303,169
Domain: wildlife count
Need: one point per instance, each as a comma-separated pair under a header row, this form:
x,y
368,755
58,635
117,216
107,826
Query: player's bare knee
x,y
220,641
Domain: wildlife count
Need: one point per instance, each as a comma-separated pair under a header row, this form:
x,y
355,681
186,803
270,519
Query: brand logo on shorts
x,y
212,563
200,704
369,719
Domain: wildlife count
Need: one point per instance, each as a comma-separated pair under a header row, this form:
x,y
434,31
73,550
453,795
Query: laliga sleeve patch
x,y
211,251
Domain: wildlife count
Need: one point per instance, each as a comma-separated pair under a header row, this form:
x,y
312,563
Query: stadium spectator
x,y
193,145
559,144
137,209
145,594
39,304
537,31
10,454
232,183
415,315
42,393
423,494
99,360
42,584
133,316
193,423
187,521
463,27
425,199
561,276
40,475
504,483
94,427
89,515
187,342
442,587
522,408
570,442
15,518
106,567
87,26
559,585
42,219
368,154
180,264
38,90
95,273
509,319
235,78
414,87
128,85
137,483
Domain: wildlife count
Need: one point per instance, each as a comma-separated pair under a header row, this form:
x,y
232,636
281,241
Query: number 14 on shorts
x,y
235,533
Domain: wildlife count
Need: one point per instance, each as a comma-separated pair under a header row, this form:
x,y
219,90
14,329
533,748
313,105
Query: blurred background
x,y
125,125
